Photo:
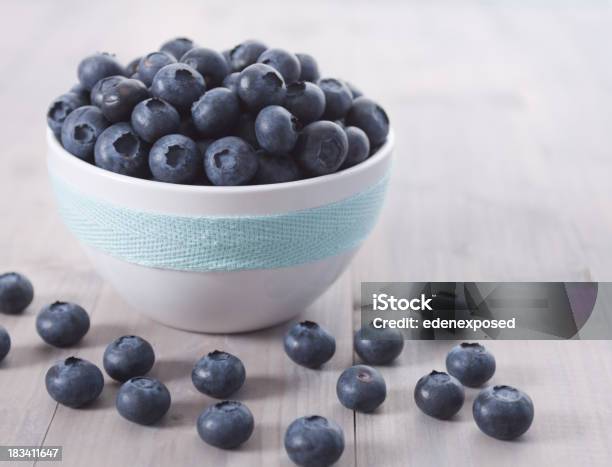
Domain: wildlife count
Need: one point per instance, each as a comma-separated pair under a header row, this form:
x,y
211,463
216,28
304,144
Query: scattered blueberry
x,y
154,118
231,82
62,324
245,54
503,412
378,346
439,395
74,382
175,159
338,98
321,148
120,150
81,130
102,87
61,107
226,424
275,169
16,293
118,101
260,85
95,67
127,357
230,161
177,47
276,130
361,388
178,84
314,441
5,343
358,146
132,67
286,63
209,63
218,374
371,118
306,101
309,70
143,400
151,63
354,91
216,112
471,364
80,91
309,345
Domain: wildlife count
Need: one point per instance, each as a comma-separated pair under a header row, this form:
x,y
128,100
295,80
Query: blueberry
x,y
209,63
358,146
503,412
80,91
61,107
216,112
355,92
132,67
230,161
245,129
361,388
74,382
306,101
245,54
95,67
143,400
314,441
151,63
309,345
378,346
338,98
218,374
226,424
16,293
203,144
439,395
178,84
154,118
231,82
309,70
371,118
127,357
177,47
103,86
119,101
120,150
260,85
275,169
81,130
321,148
188,128
62,324
471,364
276,130
5,343
175,159
286,63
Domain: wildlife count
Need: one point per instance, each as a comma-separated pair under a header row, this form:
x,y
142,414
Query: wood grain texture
x,y
502,167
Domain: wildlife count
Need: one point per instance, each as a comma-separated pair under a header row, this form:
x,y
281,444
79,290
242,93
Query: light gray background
x,y
502,112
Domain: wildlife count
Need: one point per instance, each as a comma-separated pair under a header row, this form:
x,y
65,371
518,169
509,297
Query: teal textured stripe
x,y
192,243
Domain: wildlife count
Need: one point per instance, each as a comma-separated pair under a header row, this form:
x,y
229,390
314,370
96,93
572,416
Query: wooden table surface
x,y
503,118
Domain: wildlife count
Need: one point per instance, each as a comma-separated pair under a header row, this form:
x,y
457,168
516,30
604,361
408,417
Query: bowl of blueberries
x,y
217,191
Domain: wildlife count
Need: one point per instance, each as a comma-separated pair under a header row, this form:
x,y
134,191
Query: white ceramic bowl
x,y
217,301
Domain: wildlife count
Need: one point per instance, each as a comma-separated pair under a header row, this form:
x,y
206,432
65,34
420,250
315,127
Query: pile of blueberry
x,y
191,115
502,412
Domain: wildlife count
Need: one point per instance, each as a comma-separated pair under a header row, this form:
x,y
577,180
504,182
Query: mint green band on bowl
x,y
190,243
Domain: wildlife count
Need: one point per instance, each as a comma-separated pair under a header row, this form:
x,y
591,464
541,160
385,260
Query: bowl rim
x,y
382,152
